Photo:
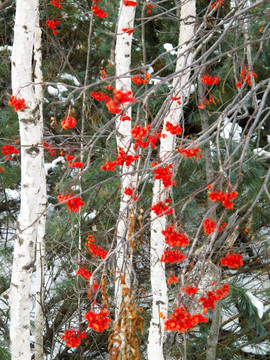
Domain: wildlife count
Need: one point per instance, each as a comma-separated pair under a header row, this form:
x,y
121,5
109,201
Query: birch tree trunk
x,y
31,165
40,244
124,140
122,326
167,147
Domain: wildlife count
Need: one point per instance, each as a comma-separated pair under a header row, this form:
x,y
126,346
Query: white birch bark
x,y
31,162
167,146
40,244
124,140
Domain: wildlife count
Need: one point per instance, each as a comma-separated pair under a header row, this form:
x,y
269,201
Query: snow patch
x,y
261,152
231,129
155,81
54,164
90,216
150,70
227,314
262,349
70,77
169,47
58,91
6,47
58,160
52,91
257,303
192,88
254,283
12,194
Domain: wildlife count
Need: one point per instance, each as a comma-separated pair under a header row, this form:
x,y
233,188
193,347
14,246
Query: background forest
x,y
215,85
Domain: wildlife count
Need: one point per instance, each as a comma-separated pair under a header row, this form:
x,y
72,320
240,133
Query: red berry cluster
x,y
73,337
165,174
123,97
18,104
139,133
49,148
75,164
211,99
149,7
97,251
189,290
129,3
173,129
232,261
181,320
245,76
68,122
153,139
113,106
171,256
98,11
128,30
177,99
69,157
120,97
209,226
72,204
214,296
99,96
209,80
120,160
7,150
129,191
174,238
124,117
84,273
224,197
216,4
87,275
190,153
172,279
161,208
98,321
139,80
56,3
52,25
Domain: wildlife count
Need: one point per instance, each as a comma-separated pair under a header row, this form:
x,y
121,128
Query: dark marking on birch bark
x,y
29,265
33,151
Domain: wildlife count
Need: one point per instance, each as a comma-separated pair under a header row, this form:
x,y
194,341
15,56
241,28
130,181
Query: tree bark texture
x,y
167,147
41,227
124,140
31,169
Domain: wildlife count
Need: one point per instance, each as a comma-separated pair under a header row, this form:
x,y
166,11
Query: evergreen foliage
x,y
66,53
